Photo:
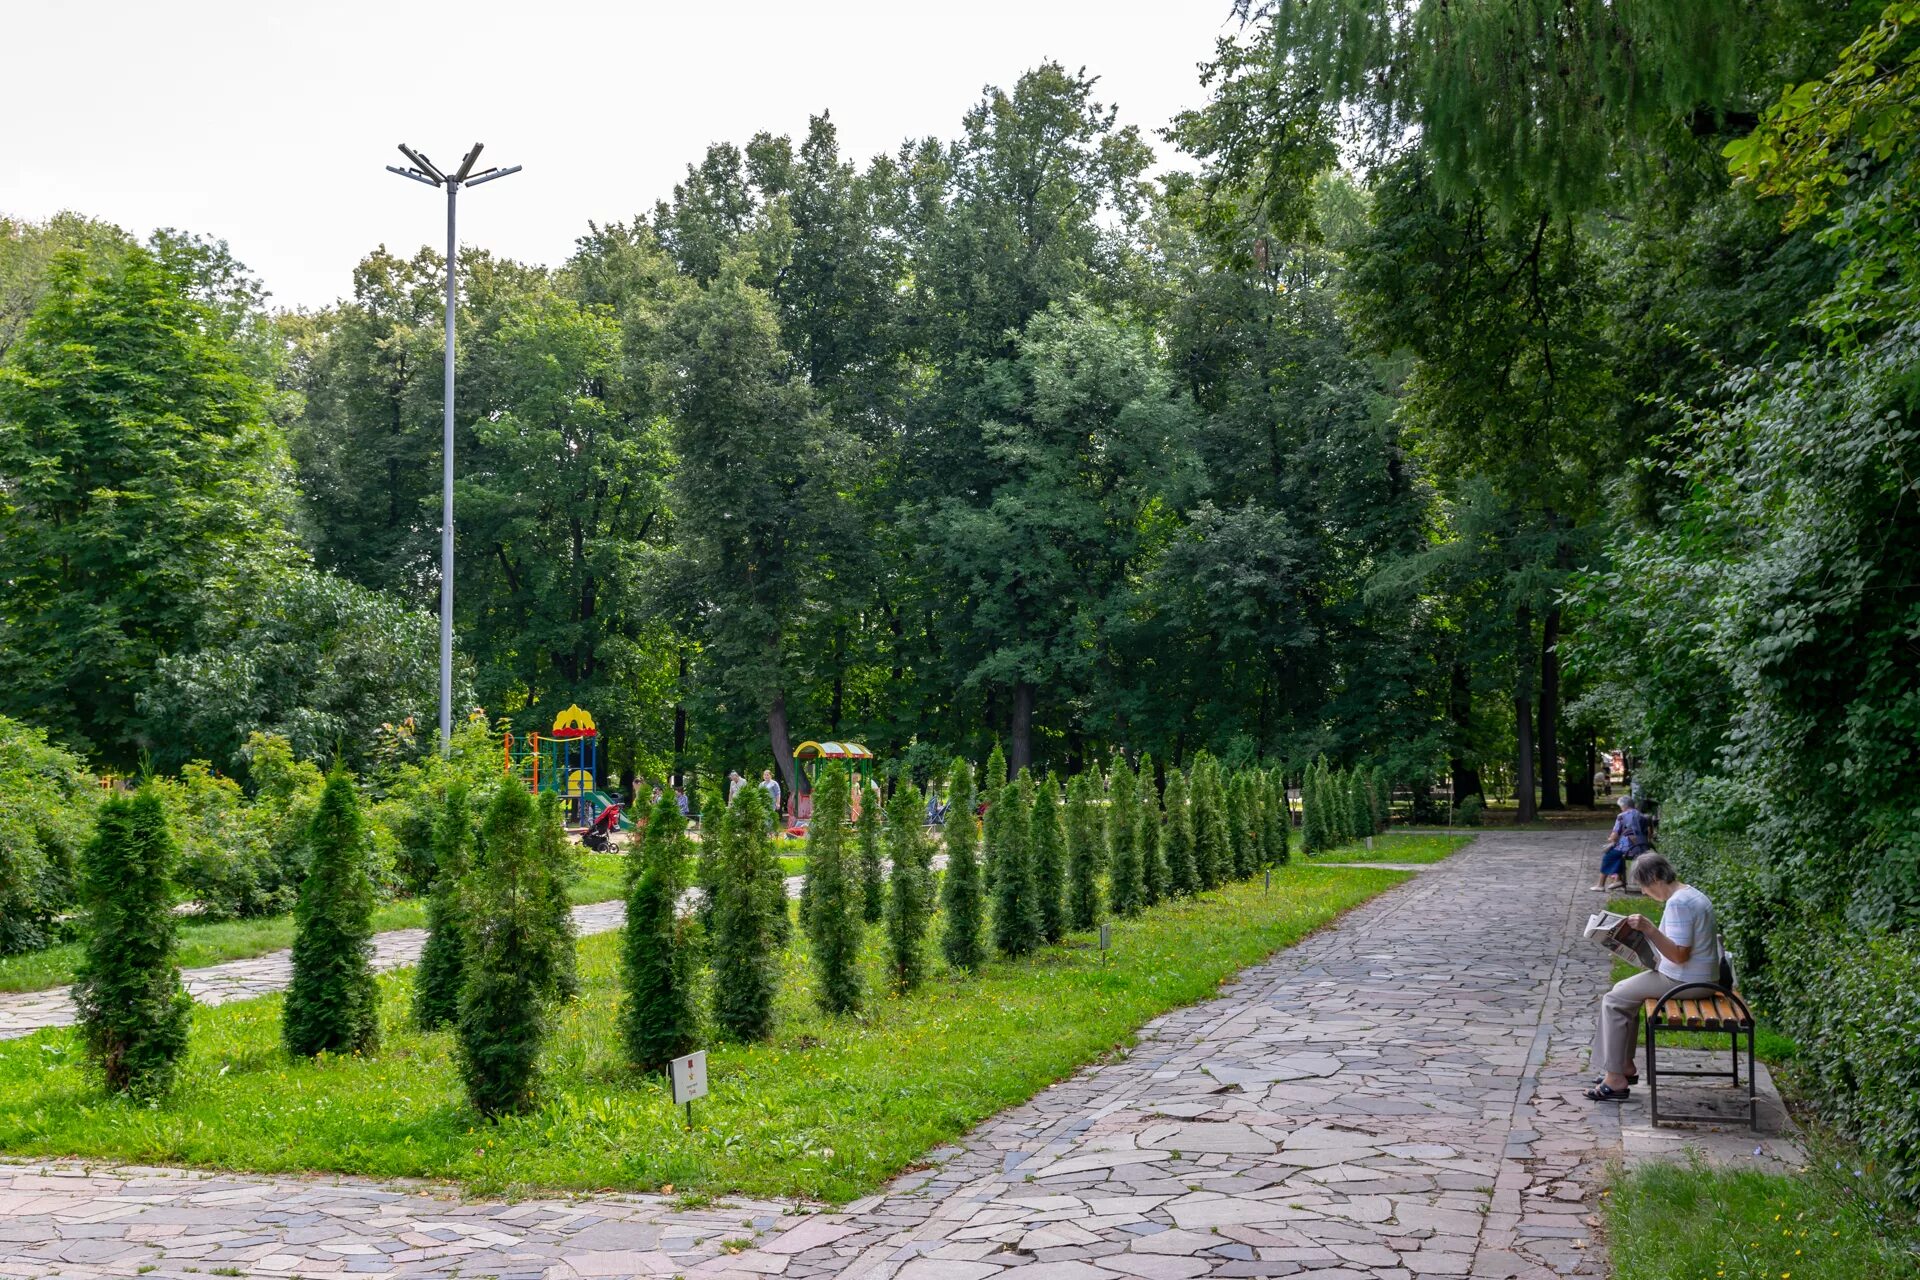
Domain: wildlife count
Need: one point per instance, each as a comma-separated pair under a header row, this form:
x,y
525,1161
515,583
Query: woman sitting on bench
x,y
1687,942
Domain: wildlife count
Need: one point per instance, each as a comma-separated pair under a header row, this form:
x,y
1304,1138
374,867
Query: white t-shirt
x,y
1688,921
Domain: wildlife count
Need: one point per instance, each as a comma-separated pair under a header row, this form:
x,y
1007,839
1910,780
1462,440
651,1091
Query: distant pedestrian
x,y
734,783
771,786
680,798
1628,839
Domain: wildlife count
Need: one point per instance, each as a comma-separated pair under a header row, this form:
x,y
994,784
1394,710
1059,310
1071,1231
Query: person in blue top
x,y
1628,839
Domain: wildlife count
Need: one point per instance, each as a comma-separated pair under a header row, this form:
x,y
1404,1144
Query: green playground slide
x,y
599,800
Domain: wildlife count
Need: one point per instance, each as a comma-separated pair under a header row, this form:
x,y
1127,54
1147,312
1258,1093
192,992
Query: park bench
x,y
1708,1007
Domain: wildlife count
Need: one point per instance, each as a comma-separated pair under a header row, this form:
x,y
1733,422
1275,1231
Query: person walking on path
x,y
1687,941
771,785
734,783
1628,839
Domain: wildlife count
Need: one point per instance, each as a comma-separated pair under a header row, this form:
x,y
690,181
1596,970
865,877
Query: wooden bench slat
x,y
1715,1013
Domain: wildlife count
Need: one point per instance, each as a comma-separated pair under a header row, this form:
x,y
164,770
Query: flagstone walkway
x,y
1394,1098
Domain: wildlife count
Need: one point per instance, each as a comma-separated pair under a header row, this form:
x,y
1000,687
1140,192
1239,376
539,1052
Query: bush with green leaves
x,y
1360,802
1212,851
1047,849
1126,876
554,852
1276,820
1467,812
503,1019
963,940
332,1003
1086,837
909,888
1177,837
1016,912
745,943
47,802
834,916
442,972
1156,879
657,1020
991,784
227,866
873,876
133,1009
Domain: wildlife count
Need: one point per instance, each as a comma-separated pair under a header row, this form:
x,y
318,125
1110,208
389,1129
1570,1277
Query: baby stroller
x,y
599,833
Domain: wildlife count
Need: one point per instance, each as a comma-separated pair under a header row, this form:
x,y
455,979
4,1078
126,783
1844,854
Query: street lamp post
x,y
423,170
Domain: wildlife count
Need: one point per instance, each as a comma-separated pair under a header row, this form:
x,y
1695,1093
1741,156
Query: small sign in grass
x,y
829,1108
1399,846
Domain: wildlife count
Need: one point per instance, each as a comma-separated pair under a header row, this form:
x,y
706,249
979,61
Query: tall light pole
x,y
423,170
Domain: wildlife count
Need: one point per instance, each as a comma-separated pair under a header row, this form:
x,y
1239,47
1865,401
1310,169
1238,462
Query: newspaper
x,y
1612,932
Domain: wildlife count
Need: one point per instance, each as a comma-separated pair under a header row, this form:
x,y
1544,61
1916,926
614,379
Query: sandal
x,y
1604,1093
1633,1078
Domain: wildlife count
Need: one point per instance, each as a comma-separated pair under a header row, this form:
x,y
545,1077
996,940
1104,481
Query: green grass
x,y
828,1108
1399,846
1688,1222
601,878
1770,1046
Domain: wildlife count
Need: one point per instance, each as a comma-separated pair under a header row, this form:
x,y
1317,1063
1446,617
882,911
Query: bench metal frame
x,y
1734,1031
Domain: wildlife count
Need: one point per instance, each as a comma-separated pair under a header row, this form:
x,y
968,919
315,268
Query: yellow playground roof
x,y
831,751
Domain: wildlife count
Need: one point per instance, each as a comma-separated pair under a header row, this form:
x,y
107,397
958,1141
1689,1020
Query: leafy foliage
x,y
46,811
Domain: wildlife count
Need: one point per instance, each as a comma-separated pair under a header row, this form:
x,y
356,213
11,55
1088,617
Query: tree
x,y
910,891
873,876
146,492
1212,842
133,1010
1016,911
746,968
963,941
1085,839
332,1002
1047,849
504,1000
1177,838
657,1019
833,920
436,986
1126,868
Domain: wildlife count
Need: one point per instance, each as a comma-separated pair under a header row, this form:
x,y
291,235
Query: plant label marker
x,y
1106,939
1268,887
1369,844
690,1080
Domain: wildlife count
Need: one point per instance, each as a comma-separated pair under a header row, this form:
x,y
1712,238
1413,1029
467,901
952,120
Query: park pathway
x,y
1394,1098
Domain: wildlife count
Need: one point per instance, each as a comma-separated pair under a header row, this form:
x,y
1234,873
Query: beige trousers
x,y
1618,1033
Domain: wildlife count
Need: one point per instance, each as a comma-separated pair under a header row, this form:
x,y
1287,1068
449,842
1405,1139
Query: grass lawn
x,y
1769,1045
829,1108
1686,1222
601,877
1399,846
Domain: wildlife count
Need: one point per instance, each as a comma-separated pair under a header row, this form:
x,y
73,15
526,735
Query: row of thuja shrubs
x,y
239,852
1339,806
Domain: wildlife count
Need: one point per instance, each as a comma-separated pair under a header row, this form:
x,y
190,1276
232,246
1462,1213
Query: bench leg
x,y
1653,1075
1753,1092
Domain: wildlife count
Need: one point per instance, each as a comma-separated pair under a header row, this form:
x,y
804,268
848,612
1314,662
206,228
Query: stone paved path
x,y
1394,1098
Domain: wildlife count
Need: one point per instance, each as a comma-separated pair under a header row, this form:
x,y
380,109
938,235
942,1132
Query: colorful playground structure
x,y
808,757
566,761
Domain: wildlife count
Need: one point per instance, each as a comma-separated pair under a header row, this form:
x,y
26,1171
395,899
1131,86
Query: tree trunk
x,y
782,744
1466,774
1550,710
1020,749
680,725
1580,781
1523,711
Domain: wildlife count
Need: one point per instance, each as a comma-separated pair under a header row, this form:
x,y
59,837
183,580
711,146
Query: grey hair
x,y
1651,868
1624,801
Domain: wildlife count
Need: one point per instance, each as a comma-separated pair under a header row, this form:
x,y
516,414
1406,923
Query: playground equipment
x,y
567,761
808,757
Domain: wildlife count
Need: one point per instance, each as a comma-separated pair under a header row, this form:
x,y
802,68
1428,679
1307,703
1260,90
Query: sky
x,y
269,124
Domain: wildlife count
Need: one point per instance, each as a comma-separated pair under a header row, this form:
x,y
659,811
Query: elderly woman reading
x,y
1689,948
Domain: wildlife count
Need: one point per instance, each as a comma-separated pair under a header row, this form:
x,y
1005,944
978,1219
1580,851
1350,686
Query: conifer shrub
x,y
657,1019
1126,871
834,915
1360,802
745,944
436,985
1279,820
1155,879
503,1000
991,786
133,1010
1243,819
909,888
1382,800
873,876
1016,913
554,853
963,941
1049,852
1176,837
1085,839
1212,858
332,1001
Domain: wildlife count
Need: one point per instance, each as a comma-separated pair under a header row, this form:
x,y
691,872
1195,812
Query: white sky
x,y
268,122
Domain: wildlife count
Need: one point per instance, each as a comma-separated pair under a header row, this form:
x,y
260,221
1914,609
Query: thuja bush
x,y
909,891
1155,878
994,781
745,940
1176,837
503,1017
1049,853
834,915
1085,839
1212,854
436,985
554,852
1126,874
963,942
332,1001
657,1022
1016,913
1243,821
1360,801
873,880
1276,821
133,1009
